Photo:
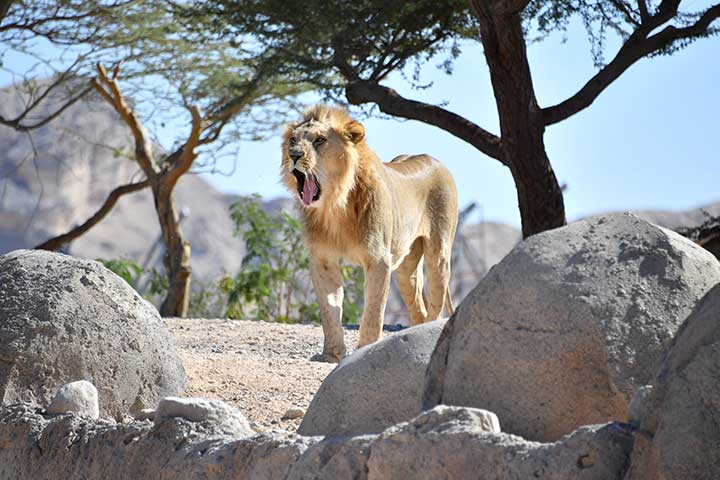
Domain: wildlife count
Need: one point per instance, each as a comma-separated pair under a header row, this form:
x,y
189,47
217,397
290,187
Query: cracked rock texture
x,y
444,443
64,319
563,331
375,387
679,434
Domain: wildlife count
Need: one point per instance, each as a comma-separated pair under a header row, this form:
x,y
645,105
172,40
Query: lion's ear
x,y
288,129
354,131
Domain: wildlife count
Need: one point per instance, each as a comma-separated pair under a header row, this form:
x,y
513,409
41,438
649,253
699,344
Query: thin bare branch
x,y
392,103
185,156
20,127
636,47
626,12
57,242
109,89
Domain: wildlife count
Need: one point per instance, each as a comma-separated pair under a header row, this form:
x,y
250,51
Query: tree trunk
x,y
177,254
522,125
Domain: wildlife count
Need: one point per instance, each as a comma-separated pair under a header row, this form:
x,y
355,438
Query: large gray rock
x,y
443,443
679,433
375,387
443,446
564,330
63,319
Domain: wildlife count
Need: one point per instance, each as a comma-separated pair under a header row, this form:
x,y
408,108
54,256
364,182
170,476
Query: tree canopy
x,y
165,72
352,48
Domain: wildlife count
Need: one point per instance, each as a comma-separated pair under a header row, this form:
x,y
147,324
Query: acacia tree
x,y
351,48
166,72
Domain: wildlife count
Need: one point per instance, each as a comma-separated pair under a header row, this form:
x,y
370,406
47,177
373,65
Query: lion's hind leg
x,y
437,264
410,282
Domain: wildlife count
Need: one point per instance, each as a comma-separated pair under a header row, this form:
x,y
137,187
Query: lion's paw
x,y
326,358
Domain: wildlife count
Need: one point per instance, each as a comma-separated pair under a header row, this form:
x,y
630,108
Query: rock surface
x,y
79,397
375,387
679,434
214,415
64,318
443,443
564,330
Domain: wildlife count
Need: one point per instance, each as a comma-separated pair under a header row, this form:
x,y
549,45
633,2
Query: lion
x,y
384,217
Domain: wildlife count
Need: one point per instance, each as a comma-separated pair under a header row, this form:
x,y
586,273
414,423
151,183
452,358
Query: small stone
x,y
215,415
79,397
293,413
145,414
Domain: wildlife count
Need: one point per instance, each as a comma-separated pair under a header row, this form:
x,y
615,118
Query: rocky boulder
x,y
440,444
564,330
443,443
64,319
375,387
679,432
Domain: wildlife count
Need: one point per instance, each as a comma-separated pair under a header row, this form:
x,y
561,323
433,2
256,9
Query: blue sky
x,y
650,141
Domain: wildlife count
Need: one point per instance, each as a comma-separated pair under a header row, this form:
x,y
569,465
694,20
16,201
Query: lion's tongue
x,y
309,189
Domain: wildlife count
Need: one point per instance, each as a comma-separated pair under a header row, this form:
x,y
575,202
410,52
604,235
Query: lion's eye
x,y
292,141
319,141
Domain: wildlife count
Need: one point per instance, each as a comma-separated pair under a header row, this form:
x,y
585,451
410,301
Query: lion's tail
x,y
448,302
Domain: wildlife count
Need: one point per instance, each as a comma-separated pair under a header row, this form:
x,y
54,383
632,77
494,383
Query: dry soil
x,y
263,368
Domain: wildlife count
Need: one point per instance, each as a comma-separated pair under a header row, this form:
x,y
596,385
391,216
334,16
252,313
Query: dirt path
x,y
261,367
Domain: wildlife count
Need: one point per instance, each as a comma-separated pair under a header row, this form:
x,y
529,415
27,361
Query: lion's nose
x,y
296,156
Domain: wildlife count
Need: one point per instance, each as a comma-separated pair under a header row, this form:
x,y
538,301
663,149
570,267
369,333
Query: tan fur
x,y
381,216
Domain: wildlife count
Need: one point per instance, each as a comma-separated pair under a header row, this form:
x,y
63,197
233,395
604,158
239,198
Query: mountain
x,y
59,175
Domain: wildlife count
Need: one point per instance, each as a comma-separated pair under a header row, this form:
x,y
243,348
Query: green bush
x,y
274,279
128,270
273,283
207,300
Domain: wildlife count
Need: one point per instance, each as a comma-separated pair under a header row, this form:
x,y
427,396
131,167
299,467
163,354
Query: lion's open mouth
x,y
308,186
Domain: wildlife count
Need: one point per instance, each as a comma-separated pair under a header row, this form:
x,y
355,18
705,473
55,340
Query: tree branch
x,y
185,155
110,91
17,124
4,7
57,242
34,101
635,48
644,14
626,11
390,102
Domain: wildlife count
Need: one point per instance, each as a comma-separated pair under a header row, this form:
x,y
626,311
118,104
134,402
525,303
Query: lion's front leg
x,y
377,286
327,280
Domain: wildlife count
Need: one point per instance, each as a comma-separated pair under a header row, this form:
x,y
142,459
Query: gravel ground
x,y
261,367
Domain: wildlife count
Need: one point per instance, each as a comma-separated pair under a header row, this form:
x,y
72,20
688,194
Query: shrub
x,y
274,279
